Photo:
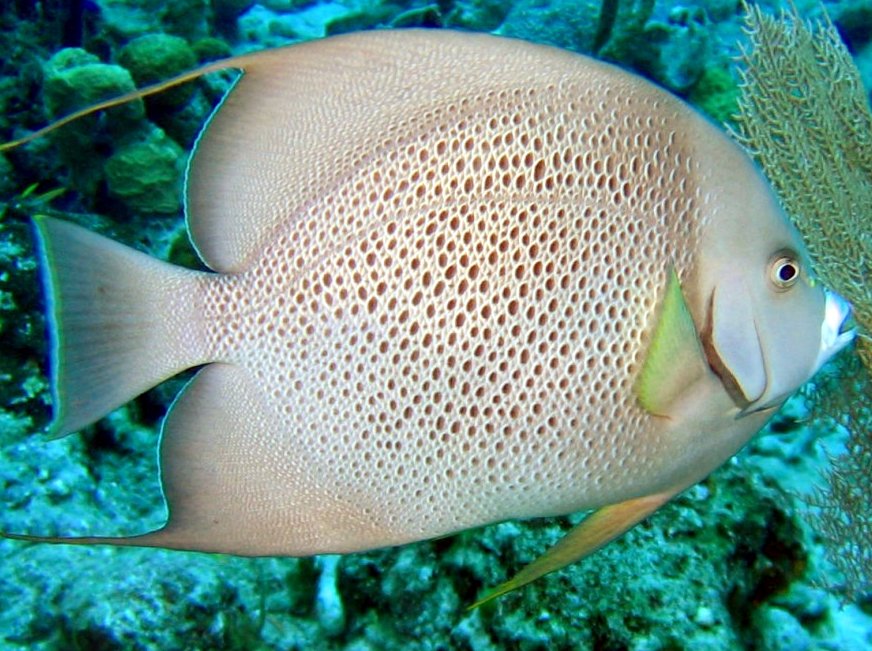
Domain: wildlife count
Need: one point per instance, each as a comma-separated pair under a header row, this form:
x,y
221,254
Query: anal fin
x,y
593,532
220,468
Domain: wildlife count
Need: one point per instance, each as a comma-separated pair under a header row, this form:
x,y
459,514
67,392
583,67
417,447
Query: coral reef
x,y
155,57
125,19
716,94
124,155
74,79
147,175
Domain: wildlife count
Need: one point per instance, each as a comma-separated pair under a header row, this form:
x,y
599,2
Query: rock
x,y
147,176
675,52
74,79
779,630
210,49
190,19
125,19
568,24
158,57
716,94
230,10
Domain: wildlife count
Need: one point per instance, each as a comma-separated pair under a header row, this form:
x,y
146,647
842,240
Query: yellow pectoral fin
x,y
675,359
593,532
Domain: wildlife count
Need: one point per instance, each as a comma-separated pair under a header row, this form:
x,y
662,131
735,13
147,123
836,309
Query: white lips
x,y
834,337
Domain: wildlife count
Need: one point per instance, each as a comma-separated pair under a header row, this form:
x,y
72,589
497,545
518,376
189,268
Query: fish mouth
x,y
837,330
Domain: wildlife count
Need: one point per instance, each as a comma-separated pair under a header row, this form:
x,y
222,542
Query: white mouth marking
x,y
834,336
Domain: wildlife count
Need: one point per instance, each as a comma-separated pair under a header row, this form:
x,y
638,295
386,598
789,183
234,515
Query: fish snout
x,y
837,329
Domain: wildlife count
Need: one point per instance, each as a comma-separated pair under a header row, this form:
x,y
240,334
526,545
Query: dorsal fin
x,y
303,118
139,93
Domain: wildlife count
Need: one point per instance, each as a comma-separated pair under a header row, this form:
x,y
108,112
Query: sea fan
x,y
804,115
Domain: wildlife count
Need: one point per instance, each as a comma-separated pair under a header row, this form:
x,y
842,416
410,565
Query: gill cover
x,y
733,345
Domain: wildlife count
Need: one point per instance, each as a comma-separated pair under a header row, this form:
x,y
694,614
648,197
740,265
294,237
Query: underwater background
x,y
743,560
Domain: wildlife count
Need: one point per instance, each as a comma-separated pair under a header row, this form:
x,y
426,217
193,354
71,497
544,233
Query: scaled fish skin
x,y
459,279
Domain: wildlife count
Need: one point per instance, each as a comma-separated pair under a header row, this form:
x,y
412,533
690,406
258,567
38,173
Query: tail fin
x,y
120,322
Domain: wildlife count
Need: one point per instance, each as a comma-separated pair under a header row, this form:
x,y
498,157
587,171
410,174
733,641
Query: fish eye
x,y
784,271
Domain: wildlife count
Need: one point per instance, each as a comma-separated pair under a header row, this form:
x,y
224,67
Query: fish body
x,y
457,279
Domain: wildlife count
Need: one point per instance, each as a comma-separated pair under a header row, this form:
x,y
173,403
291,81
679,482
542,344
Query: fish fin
x,y
597,529
285,131
237,479
210,467
304,120
675,359
116,320
130,541
732,343
216,446
139,93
